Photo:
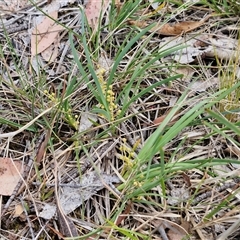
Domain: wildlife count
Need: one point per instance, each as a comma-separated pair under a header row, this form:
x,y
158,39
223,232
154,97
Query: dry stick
x,y
28,220
162,233
229,231
218,189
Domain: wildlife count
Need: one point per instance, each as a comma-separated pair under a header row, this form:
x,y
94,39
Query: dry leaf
x,y
202,86
48,211
174,231
159,120
67,226
124,214
223,48
171,29
72,197
13,5
172,235
94,9
179,232
86,121
51,53
44,34
18,210
9,175
186,71
185,55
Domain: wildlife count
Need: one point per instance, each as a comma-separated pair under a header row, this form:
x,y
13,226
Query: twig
x,y
217,189
28,220
162,233
234,227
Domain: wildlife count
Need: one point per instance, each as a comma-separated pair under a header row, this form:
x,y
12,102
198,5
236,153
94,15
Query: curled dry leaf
x,y
172,29
223,48
9,175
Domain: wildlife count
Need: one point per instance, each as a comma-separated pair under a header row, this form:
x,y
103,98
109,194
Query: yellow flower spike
x,y
131,154
136,144
136,183
130,164
119,112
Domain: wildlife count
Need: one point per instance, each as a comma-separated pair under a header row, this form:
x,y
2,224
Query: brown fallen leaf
x,y
66,225
160,119
179,232
9,175
51,53
94,9
18,210
172,29
124,214
44,34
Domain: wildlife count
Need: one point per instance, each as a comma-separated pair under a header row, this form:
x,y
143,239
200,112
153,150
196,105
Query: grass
x,y
169,173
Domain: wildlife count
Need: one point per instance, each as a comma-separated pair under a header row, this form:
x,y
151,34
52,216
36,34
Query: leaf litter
x,y
10,175
75,193
91,188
